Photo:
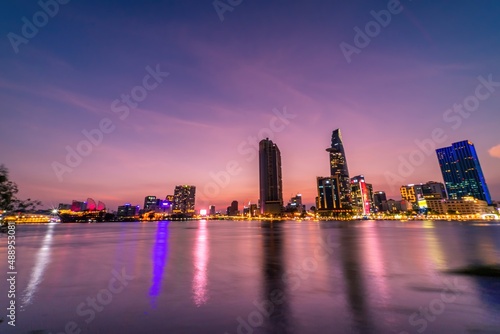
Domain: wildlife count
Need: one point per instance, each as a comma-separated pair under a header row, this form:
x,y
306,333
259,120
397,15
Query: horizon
x,y
174,93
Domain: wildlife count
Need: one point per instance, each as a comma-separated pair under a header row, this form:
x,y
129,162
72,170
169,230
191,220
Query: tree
x,y
8,192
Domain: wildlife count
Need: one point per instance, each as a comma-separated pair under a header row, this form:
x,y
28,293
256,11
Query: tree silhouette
x,y
8,192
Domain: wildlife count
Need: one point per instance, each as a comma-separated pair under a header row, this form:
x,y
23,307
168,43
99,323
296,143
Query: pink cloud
x,y
495,151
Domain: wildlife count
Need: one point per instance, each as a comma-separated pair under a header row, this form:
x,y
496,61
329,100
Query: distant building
x,y
328,201
63,206
150,203
212,210
295,204
271,187
233,209
253,210
437,189
91,205
168,203
338,169
418,193
464,206
128,211
101,206
184,200
360,194
378,198
397,206
77,206
462,172
369,188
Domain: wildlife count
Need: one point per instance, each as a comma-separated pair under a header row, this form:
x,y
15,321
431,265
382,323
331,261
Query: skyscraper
x,y
361,196
150,203
379,198
328,194
462,171
271,188
338,168
233,209
184,199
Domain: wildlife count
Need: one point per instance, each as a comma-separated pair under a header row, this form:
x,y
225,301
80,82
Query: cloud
x,y
495,151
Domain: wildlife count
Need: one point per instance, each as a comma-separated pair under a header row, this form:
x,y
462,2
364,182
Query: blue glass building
x,y
462,171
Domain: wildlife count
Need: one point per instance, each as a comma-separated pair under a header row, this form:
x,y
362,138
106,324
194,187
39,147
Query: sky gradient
x,y
227,82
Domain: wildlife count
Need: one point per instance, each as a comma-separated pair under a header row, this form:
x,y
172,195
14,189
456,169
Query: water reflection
x,y
41,262
273,270
201,254
160,252
353,279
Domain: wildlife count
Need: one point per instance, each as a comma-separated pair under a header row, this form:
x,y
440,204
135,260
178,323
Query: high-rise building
x,y
360,195
462,172
369,188
379,197
212,210
233,209
295,204
128,210
184,199
150,203
437,190
271,187
338,168
328,194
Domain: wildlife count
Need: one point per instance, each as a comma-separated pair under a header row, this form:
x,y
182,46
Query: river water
x,y
253,277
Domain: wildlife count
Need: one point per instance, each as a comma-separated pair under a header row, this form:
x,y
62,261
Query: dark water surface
x,y
253,277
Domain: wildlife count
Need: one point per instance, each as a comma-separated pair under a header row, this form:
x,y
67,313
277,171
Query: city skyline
x,y
207,91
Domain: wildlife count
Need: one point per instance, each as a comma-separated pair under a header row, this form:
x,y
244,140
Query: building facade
x,y
184,200
361,196
379,197
150,203
339,169
462,172
270,177
464,206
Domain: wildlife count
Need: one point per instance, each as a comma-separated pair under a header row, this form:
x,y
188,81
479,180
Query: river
x,y
253,277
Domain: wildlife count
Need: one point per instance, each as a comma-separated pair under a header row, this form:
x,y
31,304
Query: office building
x,y
271,187
464,206
295,204
233,209
338,169
328,201
462,172
379,197
360,194
417,194
150,203
184,200
128,210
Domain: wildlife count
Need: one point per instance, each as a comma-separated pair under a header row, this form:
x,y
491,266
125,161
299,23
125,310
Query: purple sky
x,y
225,79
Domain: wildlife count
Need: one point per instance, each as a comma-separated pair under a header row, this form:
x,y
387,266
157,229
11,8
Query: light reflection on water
x,y
41,262
160,253
200,255
222,277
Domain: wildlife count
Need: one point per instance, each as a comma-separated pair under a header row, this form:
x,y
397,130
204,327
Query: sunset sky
x,y
227,82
